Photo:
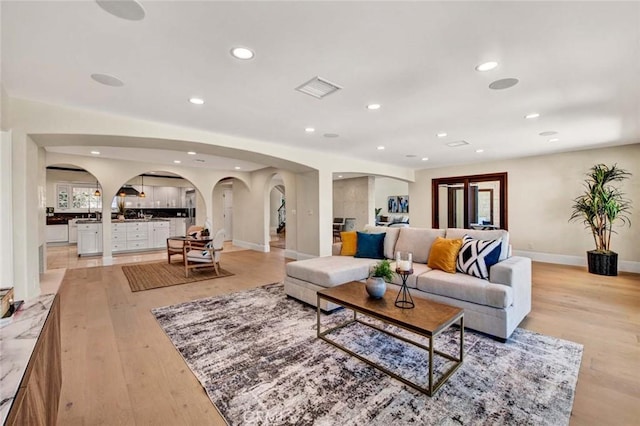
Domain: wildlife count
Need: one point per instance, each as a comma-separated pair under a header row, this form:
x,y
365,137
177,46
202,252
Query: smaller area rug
x,y
257,356
146,276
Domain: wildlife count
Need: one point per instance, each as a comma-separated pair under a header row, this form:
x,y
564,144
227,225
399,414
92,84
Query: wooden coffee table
x,y
427,319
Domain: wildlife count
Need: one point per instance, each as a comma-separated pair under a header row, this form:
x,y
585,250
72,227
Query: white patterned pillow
x,y
477,256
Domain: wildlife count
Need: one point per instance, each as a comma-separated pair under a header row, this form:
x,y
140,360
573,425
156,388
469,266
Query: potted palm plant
x,y
600,206
380,273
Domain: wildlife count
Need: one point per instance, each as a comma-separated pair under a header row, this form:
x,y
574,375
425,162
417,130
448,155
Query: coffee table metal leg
x,y
431,342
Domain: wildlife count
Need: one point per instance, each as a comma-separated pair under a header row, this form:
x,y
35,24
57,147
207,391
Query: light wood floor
x,y
119,368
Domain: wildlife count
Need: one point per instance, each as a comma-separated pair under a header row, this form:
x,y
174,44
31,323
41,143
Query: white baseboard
x,y
564,259
107,260
251,246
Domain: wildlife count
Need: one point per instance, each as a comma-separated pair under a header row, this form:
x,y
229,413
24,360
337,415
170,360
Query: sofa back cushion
x,y
493,234
389,240
418,241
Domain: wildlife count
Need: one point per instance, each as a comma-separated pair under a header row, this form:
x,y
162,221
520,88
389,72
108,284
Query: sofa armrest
x,y
336,248
515,270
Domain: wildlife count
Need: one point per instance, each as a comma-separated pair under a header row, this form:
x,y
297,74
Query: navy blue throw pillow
x,y
370,246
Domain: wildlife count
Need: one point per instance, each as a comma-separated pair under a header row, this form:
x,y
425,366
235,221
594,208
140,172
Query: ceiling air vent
x,y
318,87
457,143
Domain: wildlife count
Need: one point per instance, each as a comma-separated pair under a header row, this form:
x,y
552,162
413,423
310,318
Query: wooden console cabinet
x,y
37,399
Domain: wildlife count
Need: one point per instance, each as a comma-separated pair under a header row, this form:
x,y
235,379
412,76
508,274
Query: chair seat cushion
x,y
199,256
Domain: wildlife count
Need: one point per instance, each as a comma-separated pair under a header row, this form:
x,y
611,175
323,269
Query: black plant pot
x,y
603,263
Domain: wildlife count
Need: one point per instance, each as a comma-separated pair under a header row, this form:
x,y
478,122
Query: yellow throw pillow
x,y
443,254
349,243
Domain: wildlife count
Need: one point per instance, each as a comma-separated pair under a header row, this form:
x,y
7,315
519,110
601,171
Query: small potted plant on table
x,y
380,274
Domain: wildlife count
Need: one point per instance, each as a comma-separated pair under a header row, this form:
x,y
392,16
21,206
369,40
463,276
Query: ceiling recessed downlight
x,y
548,133
95,152
441,134
532,115
237,167
130,10
309,130
487,66
191,152
504,83
177,161
554,140
107,80
196,101
373,106
425,158
479,151
242,53
380,148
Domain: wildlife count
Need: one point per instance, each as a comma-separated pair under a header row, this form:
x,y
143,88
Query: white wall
x,y
386,187
540,194
6,212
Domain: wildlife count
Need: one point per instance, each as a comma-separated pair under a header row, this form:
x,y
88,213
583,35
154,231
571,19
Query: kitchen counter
x,y
18,340
154,219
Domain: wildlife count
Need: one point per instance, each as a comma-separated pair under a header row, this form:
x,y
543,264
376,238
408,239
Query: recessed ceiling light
x,y
504,83
380,148
373,106
532,115
441,134
126,9
479,151
237,167
196,101
107,80
487,66
554,140
309,130
177,161
242,53
95,152
340,176
191,152
548,133
425,158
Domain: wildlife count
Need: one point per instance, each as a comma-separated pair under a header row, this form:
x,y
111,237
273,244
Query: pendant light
x,y
97,193
142,194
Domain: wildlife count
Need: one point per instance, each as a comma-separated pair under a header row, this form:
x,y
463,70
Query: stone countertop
x,y
154,219
17,342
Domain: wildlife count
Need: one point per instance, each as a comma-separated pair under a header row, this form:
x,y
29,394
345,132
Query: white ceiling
x,y
578,64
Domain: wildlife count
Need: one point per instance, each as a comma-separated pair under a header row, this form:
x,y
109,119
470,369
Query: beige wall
x,y
352,198
540,196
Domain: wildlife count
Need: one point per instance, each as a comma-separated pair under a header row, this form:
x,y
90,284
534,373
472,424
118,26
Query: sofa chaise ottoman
x,y
494,306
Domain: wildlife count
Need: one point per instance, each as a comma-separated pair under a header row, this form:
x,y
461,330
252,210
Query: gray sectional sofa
x,y
495,306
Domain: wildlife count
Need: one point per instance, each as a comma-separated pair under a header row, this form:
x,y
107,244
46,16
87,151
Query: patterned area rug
x,y
257,356
146,276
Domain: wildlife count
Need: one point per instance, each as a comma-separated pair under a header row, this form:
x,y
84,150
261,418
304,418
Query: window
x,y
471,202
83,198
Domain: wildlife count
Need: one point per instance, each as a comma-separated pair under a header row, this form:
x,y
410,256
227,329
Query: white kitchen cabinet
x,y
89,238
167,197
178,227
73,231
57,233
158,233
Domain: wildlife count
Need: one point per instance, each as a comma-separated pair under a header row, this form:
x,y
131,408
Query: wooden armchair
x,y
203,257
174,247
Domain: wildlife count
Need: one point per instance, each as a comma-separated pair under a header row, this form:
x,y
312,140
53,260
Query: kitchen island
x,y
127,235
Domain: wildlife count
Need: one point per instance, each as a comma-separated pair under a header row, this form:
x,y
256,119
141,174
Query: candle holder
x,y
404,268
